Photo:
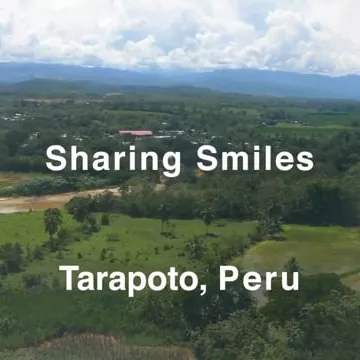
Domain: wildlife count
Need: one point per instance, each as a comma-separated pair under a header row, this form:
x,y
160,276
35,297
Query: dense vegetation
x,y
265,221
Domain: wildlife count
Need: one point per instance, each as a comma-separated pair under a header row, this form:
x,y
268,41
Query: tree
x,y
270,222
208,218
196,249
284,305
14,139
52,220
105,219
164,216
12,256
231,339
103,254
91,221
292,266
79,207
331,328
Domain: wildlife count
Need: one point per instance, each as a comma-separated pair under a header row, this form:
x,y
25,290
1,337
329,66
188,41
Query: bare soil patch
x,y
27,203
39,203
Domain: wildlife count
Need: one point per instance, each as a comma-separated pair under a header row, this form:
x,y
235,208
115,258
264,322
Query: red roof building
x,y
136,132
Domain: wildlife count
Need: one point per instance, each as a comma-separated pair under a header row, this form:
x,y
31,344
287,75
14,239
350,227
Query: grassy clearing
x,y
242,111
311,127
25,228
136,244
131,244
334,118
137,113
323,249
304,131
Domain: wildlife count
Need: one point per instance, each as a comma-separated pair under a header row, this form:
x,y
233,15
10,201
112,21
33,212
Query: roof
x,y
136,132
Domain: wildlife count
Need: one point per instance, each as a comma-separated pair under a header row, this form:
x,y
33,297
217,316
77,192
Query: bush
x,y
112,238
3,269
32,280
105,220
38,253
56,283
12,256
92,222
44,185
7,325
103,254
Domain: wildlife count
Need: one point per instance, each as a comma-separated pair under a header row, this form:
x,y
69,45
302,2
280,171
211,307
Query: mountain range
x,y
243,81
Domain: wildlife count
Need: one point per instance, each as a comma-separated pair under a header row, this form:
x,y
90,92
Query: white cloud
x,y
301,35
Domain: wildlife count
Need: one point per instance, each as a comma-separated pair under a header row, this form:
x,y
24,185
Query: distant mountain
x,y
244,81
18,72
57,87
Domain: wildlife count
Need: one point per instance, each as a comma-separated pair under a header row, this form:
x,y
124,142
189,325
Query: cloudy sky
x,y
301,35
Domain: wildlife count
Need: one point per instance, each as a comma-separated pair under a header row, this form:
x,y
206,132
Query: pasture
x,y
290,129
130,244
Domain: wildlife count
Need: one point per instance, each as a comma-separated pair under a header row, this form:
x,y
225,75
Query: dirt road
x,y
23,203
10,205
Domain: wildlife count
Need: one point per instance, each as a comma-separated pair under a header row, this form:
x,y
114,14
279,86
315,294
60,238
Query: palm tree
x,y
164,216
52,220
208,218
292,266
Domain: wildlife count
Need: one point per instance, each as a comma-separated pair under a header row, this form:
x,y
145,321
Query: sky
x,y
319,36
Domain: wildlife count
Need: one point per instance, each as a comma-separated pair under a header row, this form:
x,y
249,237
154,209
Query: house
x,y
136,132
176,132
163,137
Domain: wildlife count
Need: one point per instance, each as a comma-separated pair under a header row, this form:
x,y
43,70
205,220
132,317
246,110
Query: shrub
x,y
32,280
105,220
103,254
55,283
112,238
38,253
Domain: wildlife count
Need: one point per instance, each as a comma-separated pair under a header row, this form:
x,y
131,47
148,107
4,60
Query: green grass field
x,y
136,244
330,249
300,130
138,114
318,250
311,127
25,228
